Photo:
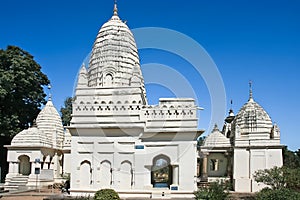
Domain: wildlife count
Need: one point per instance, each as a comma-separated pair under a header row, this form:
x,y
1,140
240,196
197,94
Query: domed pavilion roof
x,y
31,137
216,139
114,59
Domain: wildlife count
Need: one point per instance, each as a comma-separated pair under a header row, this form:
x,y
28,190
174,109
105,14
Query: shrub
x,y
106,194
84,198
280,194
278,178
215,191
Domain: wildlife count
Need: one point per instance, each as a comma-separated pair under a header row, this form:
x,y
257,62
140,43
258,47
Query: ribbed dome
x,y
114,57
49,122
252,118
31,137
216,139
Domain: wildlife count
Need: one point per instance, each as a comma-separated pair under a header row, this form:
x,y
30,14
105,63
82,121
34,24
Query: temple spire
x,y
115,8
250,91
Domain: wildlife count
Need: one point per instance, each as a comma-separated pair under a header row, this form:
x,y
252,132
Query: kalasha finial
x,y
231,113
49,91
250,91
215,128
115,8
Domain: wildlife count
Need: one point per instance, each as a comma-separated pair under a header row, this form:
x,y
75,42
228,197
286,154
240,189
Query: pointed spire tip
x,y
49,94
216,128
115,8
250,91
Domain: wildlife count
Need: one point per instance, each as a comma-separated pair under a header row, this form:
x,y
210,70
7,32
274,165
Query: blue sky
x,y
248,40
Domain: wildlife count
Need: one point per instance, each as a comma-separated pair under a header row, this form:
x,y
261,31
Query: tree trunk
x,y
3,157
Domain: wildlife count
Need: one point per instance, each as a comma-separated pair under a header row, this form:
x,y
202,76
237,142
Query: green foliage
x,y
21,90
291,159
66,111
292,178
106,194
278,194
200,141
272,177
278,178
215,191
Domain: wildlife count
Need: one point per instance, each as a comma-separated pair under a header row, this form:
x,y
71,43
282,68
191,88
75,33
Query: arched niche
x,y
108,80
126,175
85,174
105,174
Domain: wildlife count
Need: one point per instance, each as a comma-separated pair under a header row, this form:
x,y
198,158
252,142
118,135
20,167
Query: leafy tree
x,y
273,177
291,159
21,90
215,191
200,141
284,183
21,95
292,177
66,111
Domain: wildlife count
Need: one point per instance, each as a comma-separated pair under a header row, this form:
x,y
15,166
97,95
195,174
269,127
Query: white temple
x,y
35,155
116,140
248,142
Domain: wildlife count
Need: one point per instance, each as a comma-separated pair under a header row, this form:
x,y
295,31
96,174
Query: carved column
x,y
229,164
204,167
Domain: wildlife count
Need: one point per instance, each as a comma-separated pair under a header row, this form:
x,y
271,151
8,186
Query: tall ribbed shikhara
x,y
114,60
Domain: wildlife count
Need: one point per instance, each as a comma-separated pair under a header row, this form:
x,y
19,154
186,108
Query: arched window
x,y
108,80
214,164
161,175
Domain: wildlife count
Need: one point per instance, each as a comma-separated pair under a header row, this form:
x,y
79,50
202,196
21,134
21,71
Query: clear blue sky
x,y
248,40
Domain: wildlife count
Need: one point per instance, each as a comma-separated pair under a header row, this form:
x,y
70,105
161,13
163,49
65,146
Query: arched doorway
x,y
161,173
24,165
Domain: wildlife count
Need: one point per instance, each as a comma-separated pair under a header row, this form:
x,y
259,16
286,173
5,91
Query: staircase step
x,y
18,182
11,187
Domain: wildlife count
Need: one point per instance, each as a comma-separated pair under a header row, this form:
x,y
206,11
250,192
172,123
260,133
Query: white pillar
x,y
175,174
11,168
147,177
51,162
16,167
56,167
32,167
